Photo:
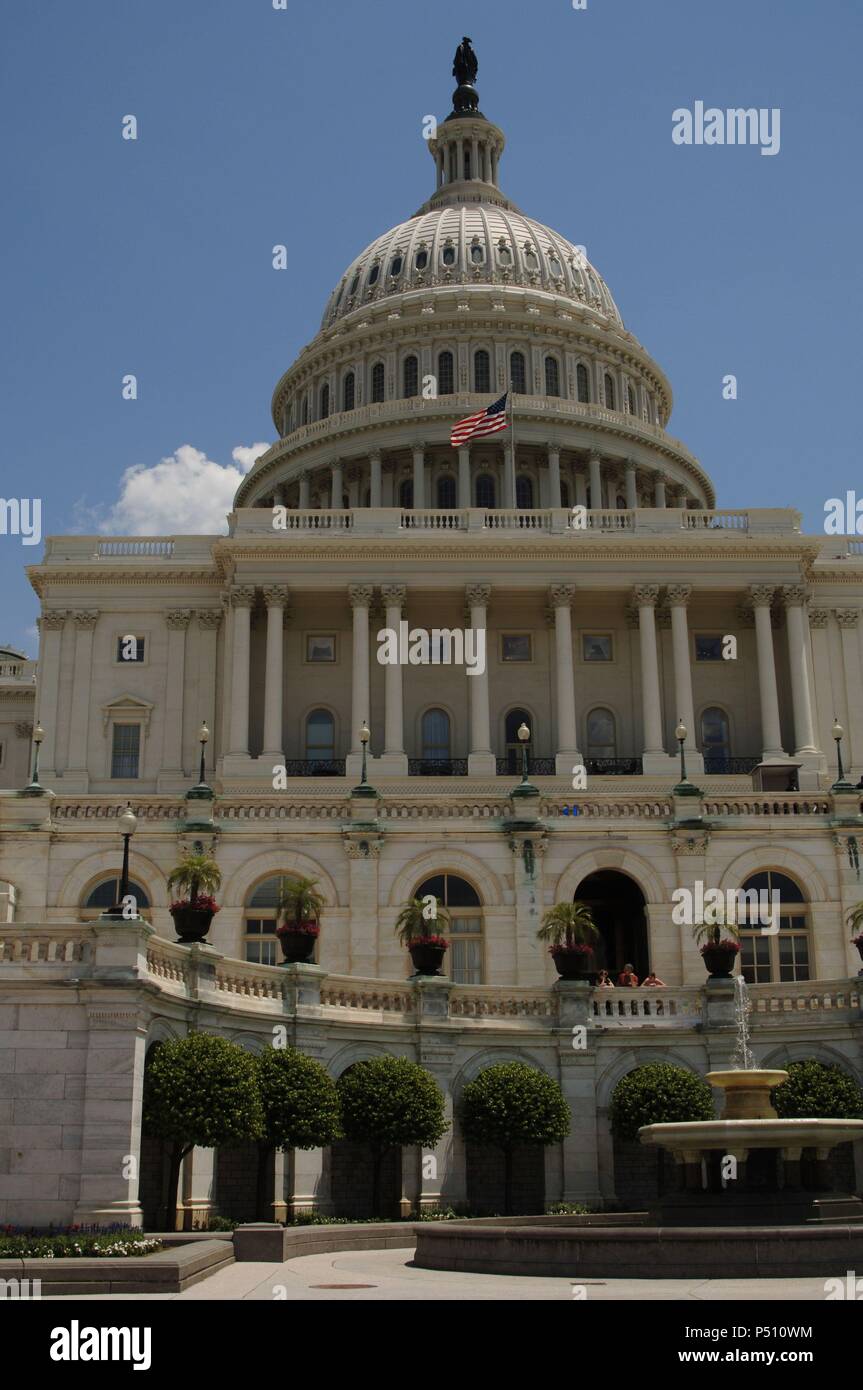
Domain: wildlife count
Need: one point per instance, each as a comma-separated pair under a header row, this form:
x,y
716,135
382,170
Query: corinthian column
x,y
644,598
567,755
594,464
394,761
678,596
276,598
177,622
553,475
360,596
481,759
795,599
771,735
85,623
51,626
242,599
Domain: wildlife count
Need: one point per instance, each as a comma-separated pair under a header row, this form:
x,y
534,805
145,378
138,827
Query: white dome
x,y
473,243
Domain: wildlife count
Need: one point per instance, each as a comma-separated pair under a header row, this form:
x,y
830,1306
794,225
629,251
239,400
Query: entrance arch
x,y
617,904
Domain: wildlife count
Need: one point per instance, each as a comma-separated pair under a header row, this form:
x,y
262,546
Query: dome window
x,y
481,371
374,273
396,266
477,255
582,382
517,374
355,283
530,259
411,376
378,382
446,491
630,400
445,374
504,255
485,491
350,391
609,392
422,260
324,401
552,376
555,266
448,256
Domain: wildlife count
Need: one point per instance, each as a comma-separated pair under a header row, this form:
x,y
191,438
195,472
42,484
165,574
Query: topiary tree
x,y
300,1107
387,1103
818,1090
199,1091
658,1093
509,1105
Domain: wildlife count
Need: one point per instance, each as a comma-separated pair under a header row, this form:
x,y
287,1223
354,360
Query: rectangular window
x,y
465,952
708,647
596,646
516,646
261,944
126,750
130,648
320,646
2,752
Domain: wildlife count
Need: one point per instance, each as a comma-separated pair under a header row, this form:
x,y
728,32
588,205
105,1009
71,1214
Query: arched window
x,y
511,725
564,493
517,374
601,734
259,922
325,401
464,959
349,391
582,382
486,492
445,374
396,266
448,255
406,493
305,410
524,491
767,957
715,739
355,283
630,399
421,260
411,376
552,376
378,381
320,741
107,894
446,491
481,371
435,735
609,391
374,273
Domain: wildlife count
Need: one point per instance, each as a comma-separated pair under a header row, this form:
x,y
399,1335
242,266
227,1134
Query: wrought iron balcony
x,y
613,767
315,767
729,766
437,767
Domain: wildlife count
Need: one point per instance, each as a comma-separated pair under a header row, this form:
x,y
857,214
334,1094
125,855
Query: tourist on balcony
x,y
628,977
653,979
604,981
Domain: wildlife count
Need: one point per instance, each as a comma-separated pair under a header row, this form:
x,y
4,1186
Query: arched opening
x,y
524,491
715,739
435,740
486,1180
512,746
609,392
106,894
601,737
235,1180
320,749
486,491
464,962
552,376
481,371
517,375
767,957
445,374
446,491
154,1170
324,401
617,904
378,382
349,392
582,382
411,376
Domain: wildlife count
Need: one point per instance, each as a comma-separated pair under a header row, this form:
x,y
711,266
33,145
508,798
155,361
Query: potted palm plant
x,y
718,952
297,915
855,922
419,927
571,930
197,876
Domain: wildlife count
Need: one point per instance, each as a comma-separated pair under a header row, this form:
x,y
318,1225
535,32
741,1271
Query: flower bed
x,y
55,1245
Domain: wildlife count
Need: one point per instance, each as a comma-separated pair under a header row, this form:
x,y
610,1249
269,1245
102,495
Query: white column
x,y
481,758
659,499
375,479
204,689
337,491
304,492
631,485
848,620
567,755
177,621
360,596
242,599
474,158
678,596
464,494
394,758
594,464
85,622
419,476
645,596
795,598
276,598
51,625
553,475
771,736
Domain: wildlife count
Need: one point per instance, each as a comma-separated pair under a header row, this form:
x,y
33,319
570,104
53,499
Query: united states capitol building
x,y
619,605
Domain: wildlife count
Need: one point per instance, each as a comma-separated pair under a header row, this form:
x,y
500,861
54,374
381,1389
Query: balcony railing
x,y
730,766
510,766
315,767
437,767
613,767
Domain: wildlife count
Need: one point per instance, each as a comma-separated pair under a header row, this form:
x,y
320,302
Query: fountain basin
x,y
747,1092
731,1136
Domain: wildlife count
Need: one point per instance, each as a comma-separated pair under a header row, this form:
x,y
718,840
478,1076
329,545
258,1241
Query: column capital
x,y
561,595
630,466
208,618
761,595
645,595
86,618
795,595
52,619
847,617
243,596
375,454
419,446
361,595
552,446
276,595
178,619
819,617
678,595
394,595
478,594
594,454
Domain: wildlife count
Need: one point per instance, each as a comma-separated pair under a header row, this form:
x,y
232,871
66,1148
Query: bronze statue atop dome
x,y
465,99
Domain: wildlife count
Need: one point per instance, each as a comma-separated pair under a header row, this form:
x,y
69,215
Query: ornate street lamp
x,y
525,787
202,792
680,734
127,824
838,735
34,789
364,789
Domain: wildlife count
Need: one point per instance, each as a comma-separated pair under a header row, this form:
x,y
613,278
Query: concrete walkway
x,y
392,1277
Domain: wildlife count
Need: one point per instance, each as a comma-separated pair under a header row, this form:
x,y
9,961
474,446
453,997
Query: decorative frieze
x,y
178,619
847,617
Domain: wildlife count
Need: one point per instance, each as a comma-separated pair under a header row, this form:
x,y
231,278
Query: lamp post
x,y
364,789
680,734
838,735
202,792
34,788
127,824
525,787
684,786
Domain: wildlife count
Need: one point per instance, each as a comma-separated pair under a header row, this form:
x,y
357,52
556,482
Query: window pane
x,y
445,374
481,371
708,648
517,373
435,734
125,750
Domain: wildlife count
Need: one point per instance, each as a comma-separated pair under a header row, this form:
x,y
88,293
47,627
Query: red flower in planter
x,y
577,948
726,944
303,928
202,903
429,941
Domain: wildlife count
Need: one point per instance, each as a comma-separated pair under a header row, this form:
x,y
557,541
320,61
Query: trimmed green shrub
x,y
658,1093
300,1107
510,1105
388,1103
818,1090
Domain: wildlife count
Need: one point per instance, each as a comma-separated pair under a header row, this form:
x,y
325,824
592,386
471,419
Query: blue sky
x,y
260,126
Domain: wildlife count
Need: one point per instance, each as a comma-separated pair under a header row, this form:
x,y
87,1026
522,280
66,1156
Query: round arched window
x,y
260,916
768,956
464,959
107,894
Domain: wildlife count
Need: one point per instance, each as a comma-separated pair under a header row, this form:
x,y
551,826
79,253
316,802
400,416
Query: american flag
x,y
487,421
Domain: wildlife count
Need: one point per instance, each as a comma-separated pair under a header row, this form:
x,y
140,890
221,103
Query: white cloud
x,y
184,494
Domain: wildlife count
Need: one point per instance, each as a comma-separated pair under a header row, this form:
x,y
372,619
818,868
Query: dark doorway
x,y
618,910
485,1180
